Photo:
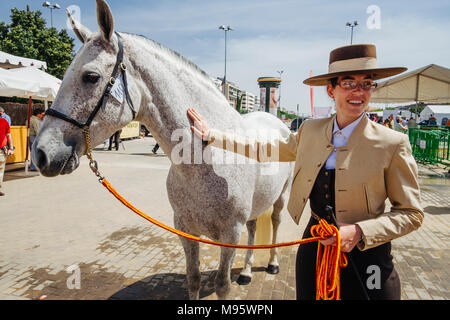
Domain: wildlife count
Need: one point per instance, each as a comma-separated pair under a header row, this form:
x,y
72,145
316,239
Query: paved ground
x,y
54,231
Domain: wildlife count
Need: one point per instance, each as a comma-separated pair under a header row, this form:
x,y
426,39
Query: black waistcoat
x,y
322,194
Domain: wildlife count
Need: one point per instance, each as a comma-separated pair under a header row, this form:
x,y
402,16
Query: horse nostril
x,y
41,159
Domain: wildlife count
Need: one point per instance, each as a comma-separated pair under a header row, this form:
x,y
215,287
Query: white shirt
x,y
340,138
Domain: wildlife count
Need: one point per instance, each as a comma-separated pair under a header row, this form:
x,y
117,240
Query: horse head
x,y
60,142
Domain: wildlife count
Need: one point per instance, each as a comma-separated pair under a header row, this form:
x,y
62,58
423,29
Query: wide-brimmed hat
x,y
353,59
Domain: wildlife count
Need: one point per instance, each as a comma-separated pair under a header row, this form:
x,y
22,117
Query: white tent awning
x,y
8,61
429,84
12,86
28,81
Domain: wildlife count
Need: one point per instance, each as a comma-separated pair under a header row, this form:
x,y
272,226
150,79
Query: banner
x,y
262,99
273,106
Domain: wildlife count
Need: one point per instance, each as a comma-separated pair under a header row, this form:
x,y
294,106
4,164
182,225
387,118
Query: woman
x,y
353,165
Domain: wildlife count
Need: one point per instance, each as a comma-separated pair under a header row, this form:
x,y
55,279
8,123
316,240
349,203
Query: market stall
x,y
31,83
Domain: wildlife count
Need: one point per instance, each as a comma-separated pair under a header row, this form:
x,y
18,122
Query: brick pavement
x,y
136,260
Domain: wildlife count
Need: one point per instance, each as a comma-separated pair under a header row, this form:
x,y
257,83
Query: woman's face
x,y
351,102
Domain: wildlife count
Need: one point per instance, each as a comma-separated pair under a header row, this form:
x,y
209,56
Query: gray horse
x,y
209,197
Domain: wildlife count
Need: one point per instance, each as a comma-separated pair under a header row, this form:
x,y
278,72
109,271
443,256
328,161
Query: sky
x,y
293,36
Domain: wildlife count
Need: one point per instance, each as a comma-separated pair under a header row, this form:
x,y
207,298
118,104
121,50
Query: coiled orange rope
x,y
328,262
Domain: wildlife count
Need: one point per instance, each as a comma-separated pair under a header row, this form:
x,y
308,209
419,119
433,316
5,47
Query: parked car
x,y
295,124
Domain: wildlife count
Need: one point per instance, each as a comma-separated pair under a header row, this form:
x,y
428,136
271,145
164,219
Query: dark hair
x,y
334,82
37,111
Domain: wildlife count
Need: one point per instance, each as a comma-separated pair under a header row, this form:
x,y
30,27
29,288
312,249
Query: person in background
x,y
6,148
432,120
399,126
5,116
35,125
155,148
391,121
116,138
412,123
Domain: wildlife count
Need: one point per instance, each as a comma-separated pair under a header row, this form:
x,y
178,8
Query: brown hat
x,y
353,59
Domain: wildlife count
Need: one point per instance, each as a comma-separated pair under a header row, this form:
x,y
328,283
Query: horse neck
x,y
170,86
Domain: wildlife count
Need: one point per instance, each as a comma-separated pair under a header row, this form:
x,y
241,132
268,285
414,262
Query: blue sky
x,y
295,36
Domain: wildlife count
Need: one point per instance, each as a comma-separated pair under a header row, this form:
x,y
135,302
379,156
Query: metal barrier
x,y
430,145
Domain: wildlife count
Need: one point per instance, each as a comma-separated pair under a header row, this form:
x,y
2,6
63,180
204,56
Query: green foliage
x,y
27,36
286,115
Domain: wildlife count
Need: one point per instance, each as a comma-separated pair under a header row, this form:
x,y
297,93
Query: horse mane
x,y
177,55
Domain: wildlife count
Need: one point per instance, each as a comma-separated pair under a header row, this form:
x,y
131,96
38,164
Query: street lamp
x,y
352,25
47,4
226,29
279,90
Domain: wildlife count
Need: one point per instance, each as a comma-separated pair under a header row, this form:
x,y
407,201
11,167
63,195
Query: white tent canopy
x,y
12,86
429,84
8,61
438,111
28,82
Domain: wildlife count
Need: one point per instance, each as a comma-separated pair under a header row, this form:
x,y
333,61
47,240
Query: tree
x,y
27,36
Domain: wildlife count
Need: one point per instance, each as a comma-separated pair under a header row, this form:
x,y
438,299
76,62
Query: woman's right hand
x,y
200,127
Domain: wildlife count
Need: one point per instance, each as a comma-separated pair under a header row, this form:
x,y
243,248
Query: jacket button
x,y
325,186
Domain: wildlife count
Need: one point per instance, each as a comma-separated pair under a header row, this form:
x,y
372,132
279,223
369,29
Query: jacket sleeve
x,y
260,149
402,187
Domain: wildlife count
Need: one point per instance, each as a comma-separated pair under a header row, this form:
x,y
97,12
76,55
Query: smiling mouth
x,y
355,102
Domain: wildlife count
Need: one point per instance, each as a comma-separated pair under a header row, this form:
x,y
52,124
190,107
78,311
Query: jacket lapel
x,y
358,133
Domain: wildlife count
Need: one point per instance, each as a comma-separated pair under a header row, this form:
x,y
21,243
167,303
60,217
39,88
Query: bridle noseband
x,y
119,67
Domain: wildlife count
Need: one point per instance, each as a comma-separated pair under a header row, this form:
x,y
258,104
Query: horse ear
x,y
81,31
105,19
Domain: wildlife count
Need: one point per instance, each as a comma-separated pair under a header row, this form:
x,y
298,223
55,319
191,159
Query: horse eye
x,y
91,77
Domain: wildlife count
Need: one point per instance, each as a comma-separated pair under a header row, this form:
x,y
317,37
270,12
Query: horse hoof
x,y
273,269
244,280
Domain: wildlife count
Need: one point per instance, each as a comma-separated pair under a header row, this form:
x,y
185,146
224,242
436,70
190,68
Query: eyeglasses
x,y
353,84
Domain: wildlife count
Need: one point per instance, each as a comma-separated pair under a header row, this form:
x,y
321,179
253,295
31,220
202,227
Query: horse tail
x,y
264,227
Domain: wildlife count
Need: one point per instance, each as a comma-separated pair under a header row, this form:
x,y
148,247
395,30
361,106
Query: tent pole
x,y
417,98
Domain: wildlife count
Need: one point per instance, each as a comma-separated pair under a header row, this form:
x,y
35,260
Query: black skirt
x,y
375,268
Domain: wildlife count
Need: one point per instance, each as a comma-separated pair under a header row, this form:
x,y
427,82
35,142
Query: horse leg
x,y
245,276
223,277
191,250
273,267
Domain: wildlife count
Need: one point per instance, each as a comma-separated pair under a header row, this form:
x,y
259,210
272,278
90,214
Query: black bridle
x,y
119,67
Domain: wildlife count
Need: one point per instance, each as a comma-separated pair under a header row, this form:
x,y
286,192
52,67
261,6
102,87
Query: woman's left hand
x,y
350,236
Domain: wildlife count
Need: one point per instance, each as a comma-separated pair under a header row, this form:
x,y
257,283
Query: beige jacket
x,y
376,164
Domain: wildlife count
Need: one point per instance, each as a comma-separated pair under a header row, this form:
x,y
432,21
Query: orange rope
x,y
328,263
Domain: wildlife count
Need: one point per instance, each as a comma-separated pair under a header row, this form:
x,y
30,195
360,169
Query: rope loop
x,y
328,263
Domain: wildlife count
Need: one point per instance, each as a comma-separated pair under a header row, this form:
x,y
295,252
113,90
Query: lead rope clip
x,y
92,163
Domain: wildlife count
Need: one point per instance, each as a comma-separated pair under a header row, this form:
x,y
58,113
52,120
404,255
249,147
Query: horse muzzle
x,y
54,158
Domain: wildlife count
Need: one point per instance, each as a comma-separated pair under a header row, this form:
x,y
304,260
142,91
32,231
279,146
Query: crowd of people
x,y
397,123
